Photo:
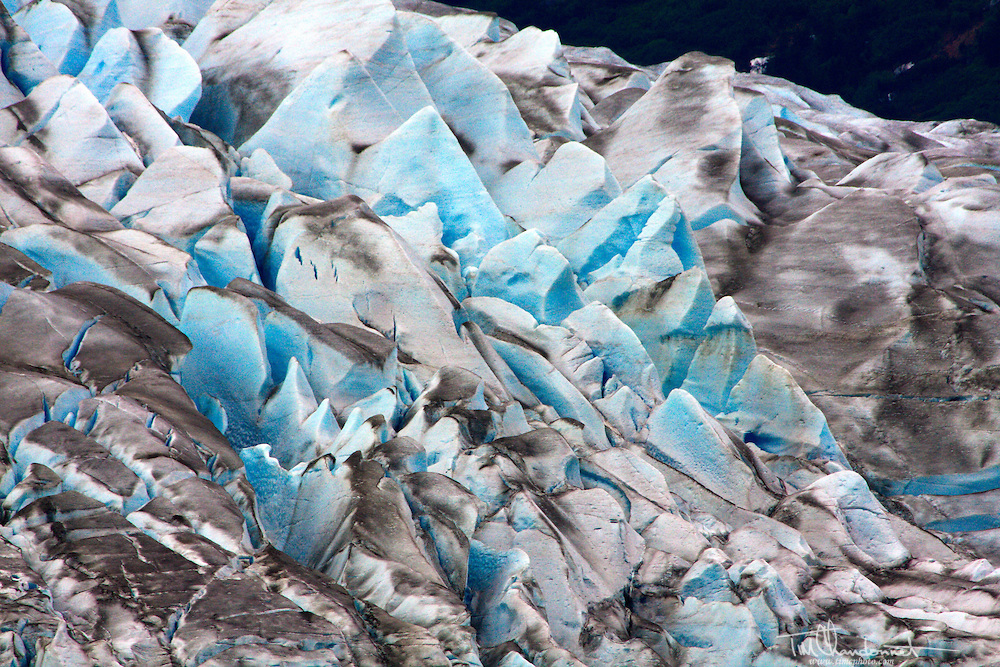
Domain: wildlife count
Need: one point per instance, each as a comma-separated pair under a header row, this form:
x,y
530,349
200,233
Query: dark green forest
x,y
905,59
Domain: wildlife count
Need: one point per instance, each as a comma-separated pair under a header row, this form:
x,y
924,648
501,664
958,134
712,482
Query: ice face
x,y
168,76
339,104
557,197
532,66
693,114
384,333
531,274
389,176
474,103
74,133
58,34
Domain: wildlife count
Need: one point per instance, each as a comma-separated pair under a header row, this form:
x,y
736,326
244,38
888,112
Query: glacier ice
x,y
386,176
696,151
530,274
474,103
723,358
167,75
557,197
58,34
337,100
385,333
75,134
531,64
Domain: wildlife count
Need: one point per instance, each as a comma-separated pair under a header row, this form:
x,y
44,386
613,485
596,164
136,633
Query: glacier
x,y
386,333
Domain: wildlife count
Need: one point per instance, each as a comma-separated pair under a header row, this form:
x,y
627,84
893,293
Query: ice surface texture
x,y
361,333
